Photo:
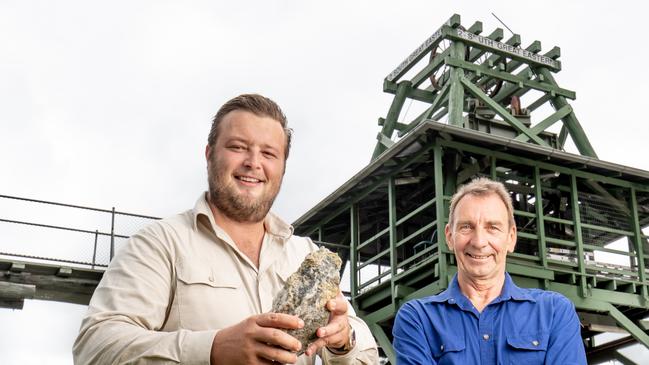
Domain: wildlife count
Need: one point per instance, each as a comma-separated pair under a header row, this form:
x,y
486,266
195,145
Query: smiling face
x,y
245,165
481,237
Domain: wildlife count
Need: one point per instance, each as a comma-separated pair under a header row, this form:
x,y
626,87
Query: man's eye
x,y
464,227
494,228
237,147
269,154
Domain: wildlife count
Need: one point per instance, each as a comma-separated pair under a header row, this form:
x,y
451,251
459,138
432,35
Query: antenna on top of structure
x,y
503,23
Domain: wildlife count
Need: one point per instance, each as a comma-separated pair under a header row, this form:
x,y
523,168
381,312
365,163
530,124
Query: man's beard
x,y
236,206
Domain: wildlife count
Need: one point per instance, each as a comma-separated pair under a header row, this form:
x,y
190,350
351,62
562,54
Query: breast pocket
x,y
449,352
528,349
207,299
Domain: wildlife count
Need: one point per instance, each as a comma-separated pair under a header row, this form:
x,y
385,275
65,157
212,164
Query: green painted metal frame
x,y
465,75
637,234
428,271
540,273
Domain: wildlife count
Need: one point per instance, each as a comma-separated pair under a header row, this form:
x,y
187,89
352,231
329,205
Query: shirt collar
x,y
453,295
273,224
511,291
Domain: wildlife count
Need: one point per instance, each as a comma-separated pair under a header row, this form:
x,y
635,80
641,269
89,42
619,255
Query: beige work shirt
x,y
174,284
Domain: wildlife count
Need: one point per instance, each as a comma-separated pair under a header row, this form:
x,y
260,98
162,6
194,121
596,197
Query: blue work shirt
x,y
521,326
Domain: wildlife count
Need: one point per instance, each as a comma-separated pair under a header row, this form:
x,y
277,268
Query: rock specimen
x,y
307,291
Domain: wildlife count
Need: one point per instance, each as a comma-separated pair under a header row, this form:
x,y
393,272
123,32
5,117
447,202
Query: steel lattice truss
x,y
583,223
458,74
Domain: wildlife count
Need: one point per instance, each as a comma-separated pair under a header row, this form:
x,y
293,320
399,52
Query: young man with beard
x,y
483,317
197,288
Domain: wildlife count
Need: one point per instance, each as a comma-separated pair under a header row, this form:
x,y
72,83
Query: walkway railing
x,y
39,230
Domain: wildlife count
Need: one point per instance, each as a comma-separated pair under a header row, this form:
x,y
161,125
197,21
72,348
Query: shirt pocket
x,y
207,300
528,349
449,351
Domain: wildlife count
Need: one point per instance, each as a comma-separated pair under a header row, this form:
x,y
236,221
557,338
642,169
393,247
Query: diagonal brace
x,y
520,127
430,68
546,123
384,342
441,97
627,324
570,123
623,359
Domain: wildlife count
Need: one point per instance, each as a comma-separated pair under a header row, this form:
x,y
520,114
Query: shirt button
x,y
211,278
441,348
535,343
485,336
452,301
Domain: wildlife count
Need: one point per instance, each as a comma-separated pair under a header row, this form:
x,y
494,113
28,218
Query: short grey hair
x,y
482,186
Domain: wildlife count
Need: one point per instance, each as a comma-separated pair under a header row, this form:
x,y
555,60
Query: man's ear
x,y
449,237
208,152
512,239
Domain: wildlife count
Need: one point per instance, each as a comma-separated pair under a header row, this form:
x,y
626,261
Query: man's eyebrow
x,y
463,222
268,146
236,139
494,223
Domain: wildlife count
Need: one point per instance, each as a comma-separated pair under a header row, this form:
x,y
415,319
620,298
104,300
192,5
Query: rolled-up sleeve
x,y
126,315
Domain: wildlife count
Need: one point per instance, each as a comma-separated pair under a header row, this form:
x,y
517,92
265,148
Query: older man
x,y
483,317
196,288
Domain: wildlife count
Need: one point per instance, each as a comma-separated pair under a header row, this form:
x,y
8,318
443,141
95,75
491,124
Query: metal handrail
x,y
96,233
63,228
78,206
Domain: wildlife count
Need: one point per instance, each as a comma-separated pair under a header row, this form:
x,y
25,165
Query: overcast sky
x,y
109,103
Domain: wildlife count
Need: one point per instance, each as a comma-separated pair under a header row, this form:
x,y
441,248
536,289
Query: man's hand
x,y
336,333
257,340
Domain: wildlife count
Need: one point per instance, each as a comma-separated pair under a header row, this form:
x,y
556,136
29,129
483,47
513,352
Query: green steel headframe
x,y
388,217
459,73
583,223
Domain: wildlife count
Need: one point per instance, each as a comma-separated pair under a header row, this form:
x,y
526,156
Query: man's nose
x,y
479,238
253,159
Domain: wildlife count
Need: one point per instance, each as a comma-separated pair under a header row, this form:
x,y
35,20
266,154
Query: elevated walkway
x,y
43,257
20,280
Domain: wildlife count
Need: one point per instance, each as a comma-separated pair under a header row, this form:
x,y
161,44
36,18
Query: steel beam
x,y
570,121
456,93
627,324
383,341
353,254
502,112
392,221
393,115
